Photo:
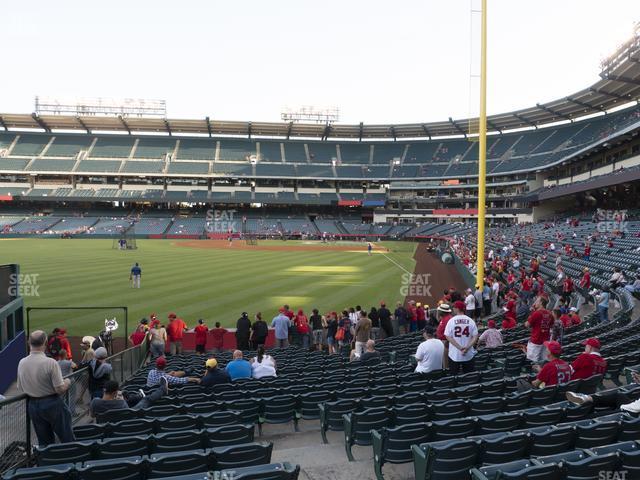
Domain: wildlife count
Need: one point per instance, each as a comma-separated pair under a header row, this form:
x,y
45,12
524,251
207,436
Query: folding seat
x,y
117,415
54,472
358,382
629,428
408,398
485,405
280,409
551,440
266,392
616,447
393,445
495,388
231,395
417,386
389,379
569,456
630,462
596,434
218,419
248,409
134,427
455,428
193,399
482,362
273,471
383,390
329,386
503,447
517,401
499,422
358,425
242,455
591,467
492,375
562,389
202,408
123,447
179,422
493,472
537,417
158,411
127,468
614,369
309,403
412,413
468,379
331,415
590,385
467,392
376,401
71,452
228,435
177,441
449,409
542,396
163,465
449,460
89,432
575,412
351,393
443,383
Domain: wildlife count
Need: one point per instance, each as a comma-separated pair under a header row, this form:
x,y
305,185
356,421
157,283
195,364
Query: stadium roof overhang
x,y
619,85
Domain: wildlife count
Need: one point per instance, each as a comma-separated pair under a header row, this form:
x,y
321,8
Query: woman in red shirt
x,y
201,331
302,325
217,338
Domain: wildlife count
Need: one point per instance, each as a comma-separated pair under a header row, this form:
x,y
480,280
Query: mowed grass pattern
x,y
214,284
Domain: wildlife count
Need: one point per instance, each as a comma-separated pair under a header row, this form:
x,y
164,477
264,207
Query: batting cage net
x,y
125,240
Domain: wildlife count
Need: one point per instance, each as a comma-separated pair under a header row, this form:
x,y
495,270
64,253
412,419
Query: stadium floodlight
x,y
125,107
311,114
624,51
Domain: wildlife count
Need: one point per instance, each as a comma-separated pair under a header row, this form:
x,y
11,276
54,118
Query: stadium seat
x,y
117,415
280,409
177,441
186,462
358,425
503,447
412,413
309,403
56,472
449,460
242,455
499,422
393,445
518,470
331,415
123,446
178,422
89,432
596,434
218,419
549,441
485,405
591,467
64,453
130,428
455,428
127,468
533,418
228,435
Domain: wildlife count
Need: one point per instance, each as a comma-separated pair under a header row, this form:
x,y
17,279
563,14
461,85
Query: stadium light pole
x,y
482,146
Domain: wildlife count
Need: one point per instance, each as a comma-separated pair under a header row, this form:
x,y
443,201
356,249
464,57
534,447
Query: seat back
x,y
499,422
179,463
218,419
503,448
451,460
596,434
280,409
228,435
57,453
177,441
454,429
123,446
552,441
128,468
242,455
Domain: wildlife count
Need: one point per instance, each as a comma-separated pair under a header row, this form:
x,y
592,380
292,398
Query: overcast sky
x,y
378,61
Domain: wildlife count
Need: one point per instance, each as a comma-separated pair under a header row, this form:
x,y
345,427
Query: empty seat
x,y
56,472
64,453
503,447
128,468
357,426
449,460
242,455
167,464
280,409
123,447
177,441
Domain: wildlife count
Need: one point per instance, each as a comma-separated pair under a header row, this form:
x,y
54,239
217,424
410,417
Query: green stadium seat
x,y
503,447
358,425
449,460
393,445
123,446
242,455
177,441
228,435
64,453
127,468
596,434
519,469
89,432
280,409
549,441
57,472
500,422
219,419
163,465
131,428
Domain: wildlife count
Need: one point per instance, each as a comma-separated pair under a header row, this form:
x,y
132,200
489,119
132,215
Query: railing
x,y
16,432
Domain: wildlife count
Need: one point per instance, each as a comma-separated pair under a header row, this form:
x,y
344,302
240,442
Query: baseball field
x,y
201,279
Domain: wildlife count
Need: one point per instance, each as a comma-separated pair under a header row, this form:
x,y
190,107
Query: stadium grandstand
x,y
511,352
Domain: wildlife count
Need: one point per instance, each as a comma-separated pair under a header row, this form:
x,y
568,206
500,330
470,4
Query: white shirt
x,y
470,302
429,354
463,330
264,369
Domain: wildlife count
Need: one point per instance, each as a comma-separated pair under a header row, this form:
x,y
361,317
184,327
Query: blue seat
x,y
591,467
127,468
596,434
55,472
57,453
89,432
123,446
552,441
503,447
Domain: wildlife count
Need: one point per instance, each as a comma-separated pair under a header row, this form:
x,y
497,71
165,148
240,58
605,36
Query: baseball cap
x,y
101,353
554,347
592,342
88,339
491,324
172,315
444,307
573,309
281,310
418,304
211,363
459,305
161,362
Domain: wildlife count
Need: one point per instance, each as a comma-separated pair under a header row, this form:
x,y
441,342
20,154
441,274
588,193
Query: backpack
x,y
55,347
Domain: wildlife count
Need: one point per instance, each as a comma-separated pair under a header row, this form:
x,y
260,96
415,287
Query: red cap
x,y
491,324
459,305
554,347
172,315
592,342
281,310
161,362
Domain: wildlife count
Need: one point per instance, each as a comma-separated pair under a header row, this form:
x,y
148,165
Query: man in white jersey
x,y
462,334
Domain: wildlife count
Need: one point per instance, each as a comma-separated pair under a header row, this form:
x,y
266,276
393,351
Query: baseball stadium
x,y
184,297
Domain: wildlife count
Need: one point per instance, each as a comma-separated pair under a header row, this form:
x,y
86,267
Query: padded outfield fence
x,y
17,436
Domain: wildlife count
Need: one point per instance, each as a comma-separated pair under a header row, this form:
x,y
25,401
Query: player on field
x,y
369,248
135,275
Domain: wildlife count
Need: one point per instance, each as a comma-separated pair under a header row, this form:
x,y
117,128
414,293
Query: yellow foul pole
x,y
482,145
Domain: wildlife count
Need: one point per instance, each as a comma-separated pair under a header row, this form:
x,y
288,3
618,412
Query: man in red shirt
x,y
590,362
217,338
509,320
539,322
555,371
585,281
175,332
567,288
587,252
574,317
444,314
201,331
527,287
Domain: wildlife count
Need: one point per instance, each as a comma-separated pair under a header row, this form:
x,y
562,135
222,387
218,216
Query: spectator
x,y
281,325
509,320
217,338
173,378
175,333
470,303
486,299
361,332
59,342
574,317
590,362
113,398
370,353
238,367
444,315
617,278
400,316
243,331
375,323
602,300
539,322
301,323
157,339
138,336
430,353
40,378
99,373
87,353
332,328
66,366
201,331
344,333
491,337
635,286
385,320
462,334
557,328
259,331
585,281
263,365
421,316
477,295
214,375
610,398
567,289
556,371
317,328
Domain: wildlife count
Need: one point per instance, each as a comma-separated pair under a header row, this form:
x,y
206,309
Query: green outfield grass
x,y
214,284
